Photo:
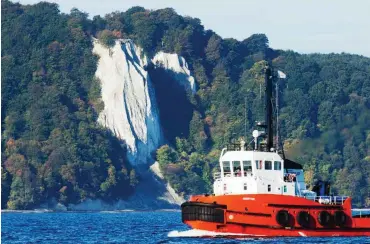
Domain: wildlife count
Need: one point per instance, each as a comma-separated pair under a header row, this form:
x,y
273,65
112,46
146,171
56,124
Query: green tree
x,y
107,38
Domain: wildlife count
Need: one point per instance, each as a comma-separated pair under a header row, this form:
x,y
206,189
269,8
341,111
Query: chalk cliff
x,y
178,66
130,110
131,113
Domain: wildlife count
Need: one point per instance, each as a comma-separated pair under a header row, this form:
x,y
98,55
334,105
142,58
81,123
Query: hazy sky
x,y
304,26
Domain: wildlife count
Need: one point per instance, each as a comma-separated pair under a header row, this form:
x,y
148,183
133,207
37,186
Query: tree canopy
x,y
52,146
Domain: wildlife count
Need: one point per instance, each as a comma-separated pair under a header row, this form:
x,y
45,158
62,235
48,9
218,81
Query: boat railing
x,y
224,150
361,212
331,200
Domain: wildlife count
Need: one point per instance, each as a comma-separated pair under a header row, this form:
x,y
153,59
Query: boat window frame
x,y
275,163
249,169
270,162
259,164
223,169
233,168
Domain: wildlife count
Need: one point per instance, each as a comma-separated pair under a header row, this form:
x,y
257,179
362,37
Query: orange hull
x,y
260,215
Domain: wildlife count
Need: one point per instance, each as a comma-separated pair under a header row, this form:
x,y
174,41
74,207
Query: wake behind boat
x,y
260,192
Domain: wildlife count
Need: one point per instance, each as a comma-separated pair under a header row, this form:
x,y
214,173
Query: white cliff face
x,y
179,66
130,110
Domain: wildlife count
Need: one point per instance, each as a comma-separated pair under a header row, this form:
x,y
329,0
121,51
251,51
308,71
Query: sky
x,y
305,26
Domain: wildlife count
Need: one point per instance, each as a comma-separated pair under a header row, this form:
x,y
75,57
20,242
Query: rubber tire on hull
x,y
283,218
340,218
303,218
208,212
325,218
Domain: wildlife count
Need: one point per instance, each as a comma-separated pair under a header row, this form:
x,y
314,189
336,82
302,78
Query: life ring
x,y
303,218
325,218
340,218
283,218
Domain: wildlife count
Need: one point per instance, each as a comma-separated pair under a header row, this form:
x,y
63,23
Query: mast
x,y
268,104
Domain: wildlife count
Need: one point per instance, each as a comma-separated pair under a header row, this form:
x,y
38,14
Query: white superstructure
x,y
257,172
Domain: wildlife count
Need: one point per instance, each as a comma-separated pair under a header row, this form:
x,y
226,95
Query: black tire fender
x,y
303,219
340,218
283,218
325,218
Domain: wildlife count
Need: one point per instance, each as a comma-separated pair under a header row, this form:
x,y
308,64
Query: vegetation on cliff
x,y
52,146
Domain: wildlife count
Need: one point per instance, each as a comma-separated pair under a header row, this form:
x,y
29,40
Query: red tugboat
x,y
258,192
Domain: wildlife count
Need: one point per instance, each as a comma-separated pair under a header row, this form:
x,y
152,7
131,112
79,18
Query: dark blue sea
x,y
121,227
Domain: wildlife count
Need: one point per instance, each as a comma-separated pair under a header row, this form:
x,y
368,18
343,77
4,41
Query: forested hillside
x,y
52,146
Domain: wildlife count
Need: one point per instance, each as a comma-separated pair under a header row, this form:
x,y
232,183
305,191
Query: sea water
x,y
123,227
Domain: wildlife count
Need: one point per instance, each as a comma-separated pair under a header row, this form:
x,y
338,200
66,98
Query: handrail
x,y
223,151
361,212
328,199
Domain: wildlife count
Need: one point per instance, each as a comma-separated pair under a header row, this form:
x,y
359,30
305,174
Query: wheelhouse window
x,y
268,165
237,168
269,188
258,164
247,167
226,168
277,165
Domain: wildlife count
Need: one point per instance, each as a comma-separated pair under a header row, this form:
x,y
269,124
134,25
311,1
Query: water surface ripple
x,y
121,227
